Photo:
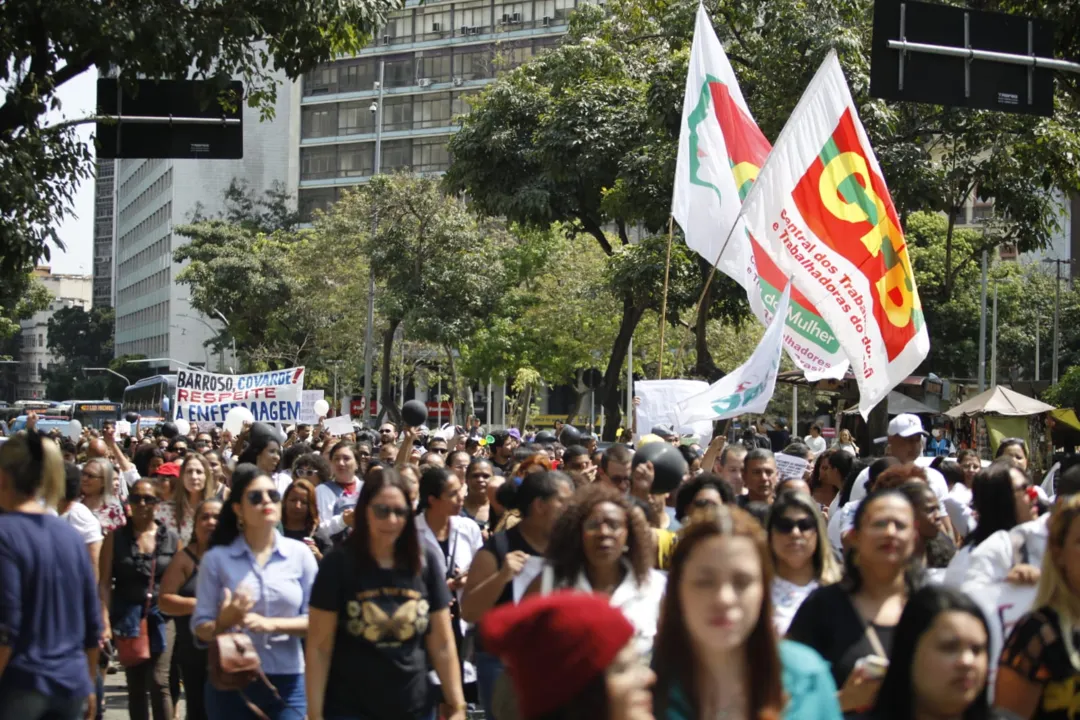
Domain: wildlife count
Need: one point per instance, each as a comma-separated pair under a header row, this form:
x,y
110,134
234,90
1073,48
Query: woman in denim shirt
x,y
143,546
255,579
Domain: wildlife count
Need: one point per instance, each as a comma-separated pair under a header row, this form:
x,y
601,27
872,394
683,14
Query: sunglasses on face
x,y
382,512
786,526
441,451
142,500
202,444
255,497
305,472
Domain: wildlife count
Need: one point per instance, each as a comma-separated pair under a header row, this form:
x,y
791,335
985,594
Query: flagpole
x,y
663,305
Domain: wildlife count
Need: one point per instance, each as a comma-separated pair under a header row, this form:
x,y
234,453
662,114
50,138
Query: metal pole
x,y
795,410
489,409
438,406
369,331
629,386
401,391
982,329
993,344
592,410
1057,302
335,387
502,405
1036,348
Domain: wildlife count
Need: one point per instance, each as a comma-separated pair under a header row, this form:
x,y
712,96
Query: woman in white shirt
x,y
599,545
457,539
803,559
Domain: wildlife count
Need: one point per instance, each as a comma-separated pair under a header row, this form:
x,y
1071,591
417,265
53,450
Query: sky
x,y
76,231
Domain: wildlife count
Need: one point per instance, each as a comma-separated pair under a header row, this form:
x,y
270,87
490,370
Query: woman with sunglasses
x,y
178,600
336,499
141,553
379,611
254,579
312,467
300,518
802,557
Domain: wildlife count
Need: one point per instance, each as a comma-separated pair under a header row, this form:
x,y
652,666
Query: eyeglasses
x,y
441,451
619,479
382,512
255,497
202,444
786,526
142,500
305,472
91,475
613,525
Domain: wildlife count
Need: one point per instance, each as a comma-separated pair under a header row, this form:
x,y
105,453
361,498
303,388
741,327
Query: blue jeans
x,y
229,705
488,670
19,704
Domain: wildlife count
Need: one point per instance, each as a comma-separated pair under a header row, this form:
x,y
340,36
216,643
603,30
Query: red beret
x,y
555,646
169,469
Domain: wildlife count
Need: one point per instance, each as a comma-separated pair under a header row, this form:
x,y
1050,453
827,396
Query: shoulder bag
x,y
132,651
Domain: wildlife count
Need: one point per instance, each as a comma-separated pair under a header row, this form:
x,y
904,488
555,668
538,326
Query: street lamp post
x,y
369,331
110,371
235,357
211,328
173,361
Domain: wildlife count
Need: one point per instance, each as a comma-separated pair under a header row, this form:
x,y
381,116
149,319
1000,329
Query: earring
x,y
625,549
239,523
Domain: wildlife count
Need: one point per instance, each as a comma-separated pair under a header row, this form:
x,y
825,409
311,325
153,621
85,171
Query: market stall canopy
x,y
999,400
1066,416
899,403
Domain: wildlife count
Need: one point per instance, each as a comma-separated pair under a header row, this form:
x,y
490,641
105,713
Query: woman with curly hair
x,y
599,546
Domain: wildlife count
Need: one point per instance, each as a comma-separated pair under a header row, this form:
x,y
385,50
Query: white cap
x,y
906,425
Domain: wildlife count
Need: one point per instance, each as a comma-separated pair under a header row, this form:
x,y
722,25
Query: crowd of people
x,y
404,573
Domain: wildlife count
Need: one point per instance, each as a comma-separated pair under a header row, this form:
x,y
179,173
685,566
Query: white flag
x,y
748,388
821,207
721,150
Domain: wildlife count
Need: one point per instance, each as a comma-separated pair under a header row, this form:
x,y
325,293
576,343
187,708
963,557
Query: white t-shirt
x,y
79,517
816,444
958,505
958,567
935,479
992,560
786,599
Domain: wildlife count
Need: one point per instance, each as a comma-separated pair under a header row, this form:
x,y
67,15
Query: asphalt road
x,y
116,704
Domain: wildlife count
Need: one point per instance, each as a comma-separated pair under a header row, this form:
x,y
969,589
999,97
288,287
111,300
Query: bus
x,y
92,413
151,397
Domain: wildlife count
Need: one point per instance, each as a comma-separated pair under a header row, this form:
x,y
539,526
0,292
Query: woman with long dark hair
x,y
540,499
599,545
381,603
50,619
841,521
300,517
939,662
255,580
1001,502
830,472
856,618
716,652
178,601
264,452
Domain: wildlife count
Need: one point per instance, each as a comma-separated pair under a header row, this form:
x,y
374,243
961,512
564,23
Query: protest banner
x,y
339,425
272,397
308,398
657,401
821,207
721,150
749,387
790,466
1003,604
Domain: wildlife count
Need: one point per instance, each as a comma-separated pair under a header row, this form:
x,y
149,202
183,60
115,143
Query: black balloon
x,y
169,430
570,435
414,413
668,464
132,417
546,437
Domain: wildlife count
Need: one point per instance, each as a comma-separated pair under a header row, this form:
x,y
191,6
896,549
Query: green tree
x,y
46,43
440,268
80,339
20,298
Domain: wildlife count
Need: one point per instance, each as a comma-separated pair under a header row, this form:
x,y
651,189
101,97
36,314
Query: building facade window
x,y
432,110
319,121
397,113
317,163
434,67
355,118
430,155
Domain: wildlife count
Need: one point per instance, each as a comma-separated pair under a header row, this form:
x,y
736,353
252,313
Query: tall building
x,y
154,316
34,356
104,209
435,54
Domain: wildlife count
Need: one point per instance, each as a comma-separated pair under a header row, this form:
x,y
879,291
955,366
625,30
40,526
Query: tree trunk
x,y
611,397
580,393
386,402
948,256
470,400
525,402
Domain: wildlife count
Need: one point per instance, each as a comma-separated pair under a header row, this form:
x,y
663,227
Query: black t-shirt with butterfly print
x,y
378,670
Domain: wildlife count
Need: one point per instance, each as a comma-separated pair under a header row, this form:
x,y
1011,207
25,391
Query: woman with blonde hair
x,y
48,657
846,443
196,486
802,556
1040,664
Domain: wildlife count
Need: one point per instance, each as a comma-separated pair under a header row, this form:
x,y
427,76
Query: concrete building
x,y
34,356
435,54
154,317
104,210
